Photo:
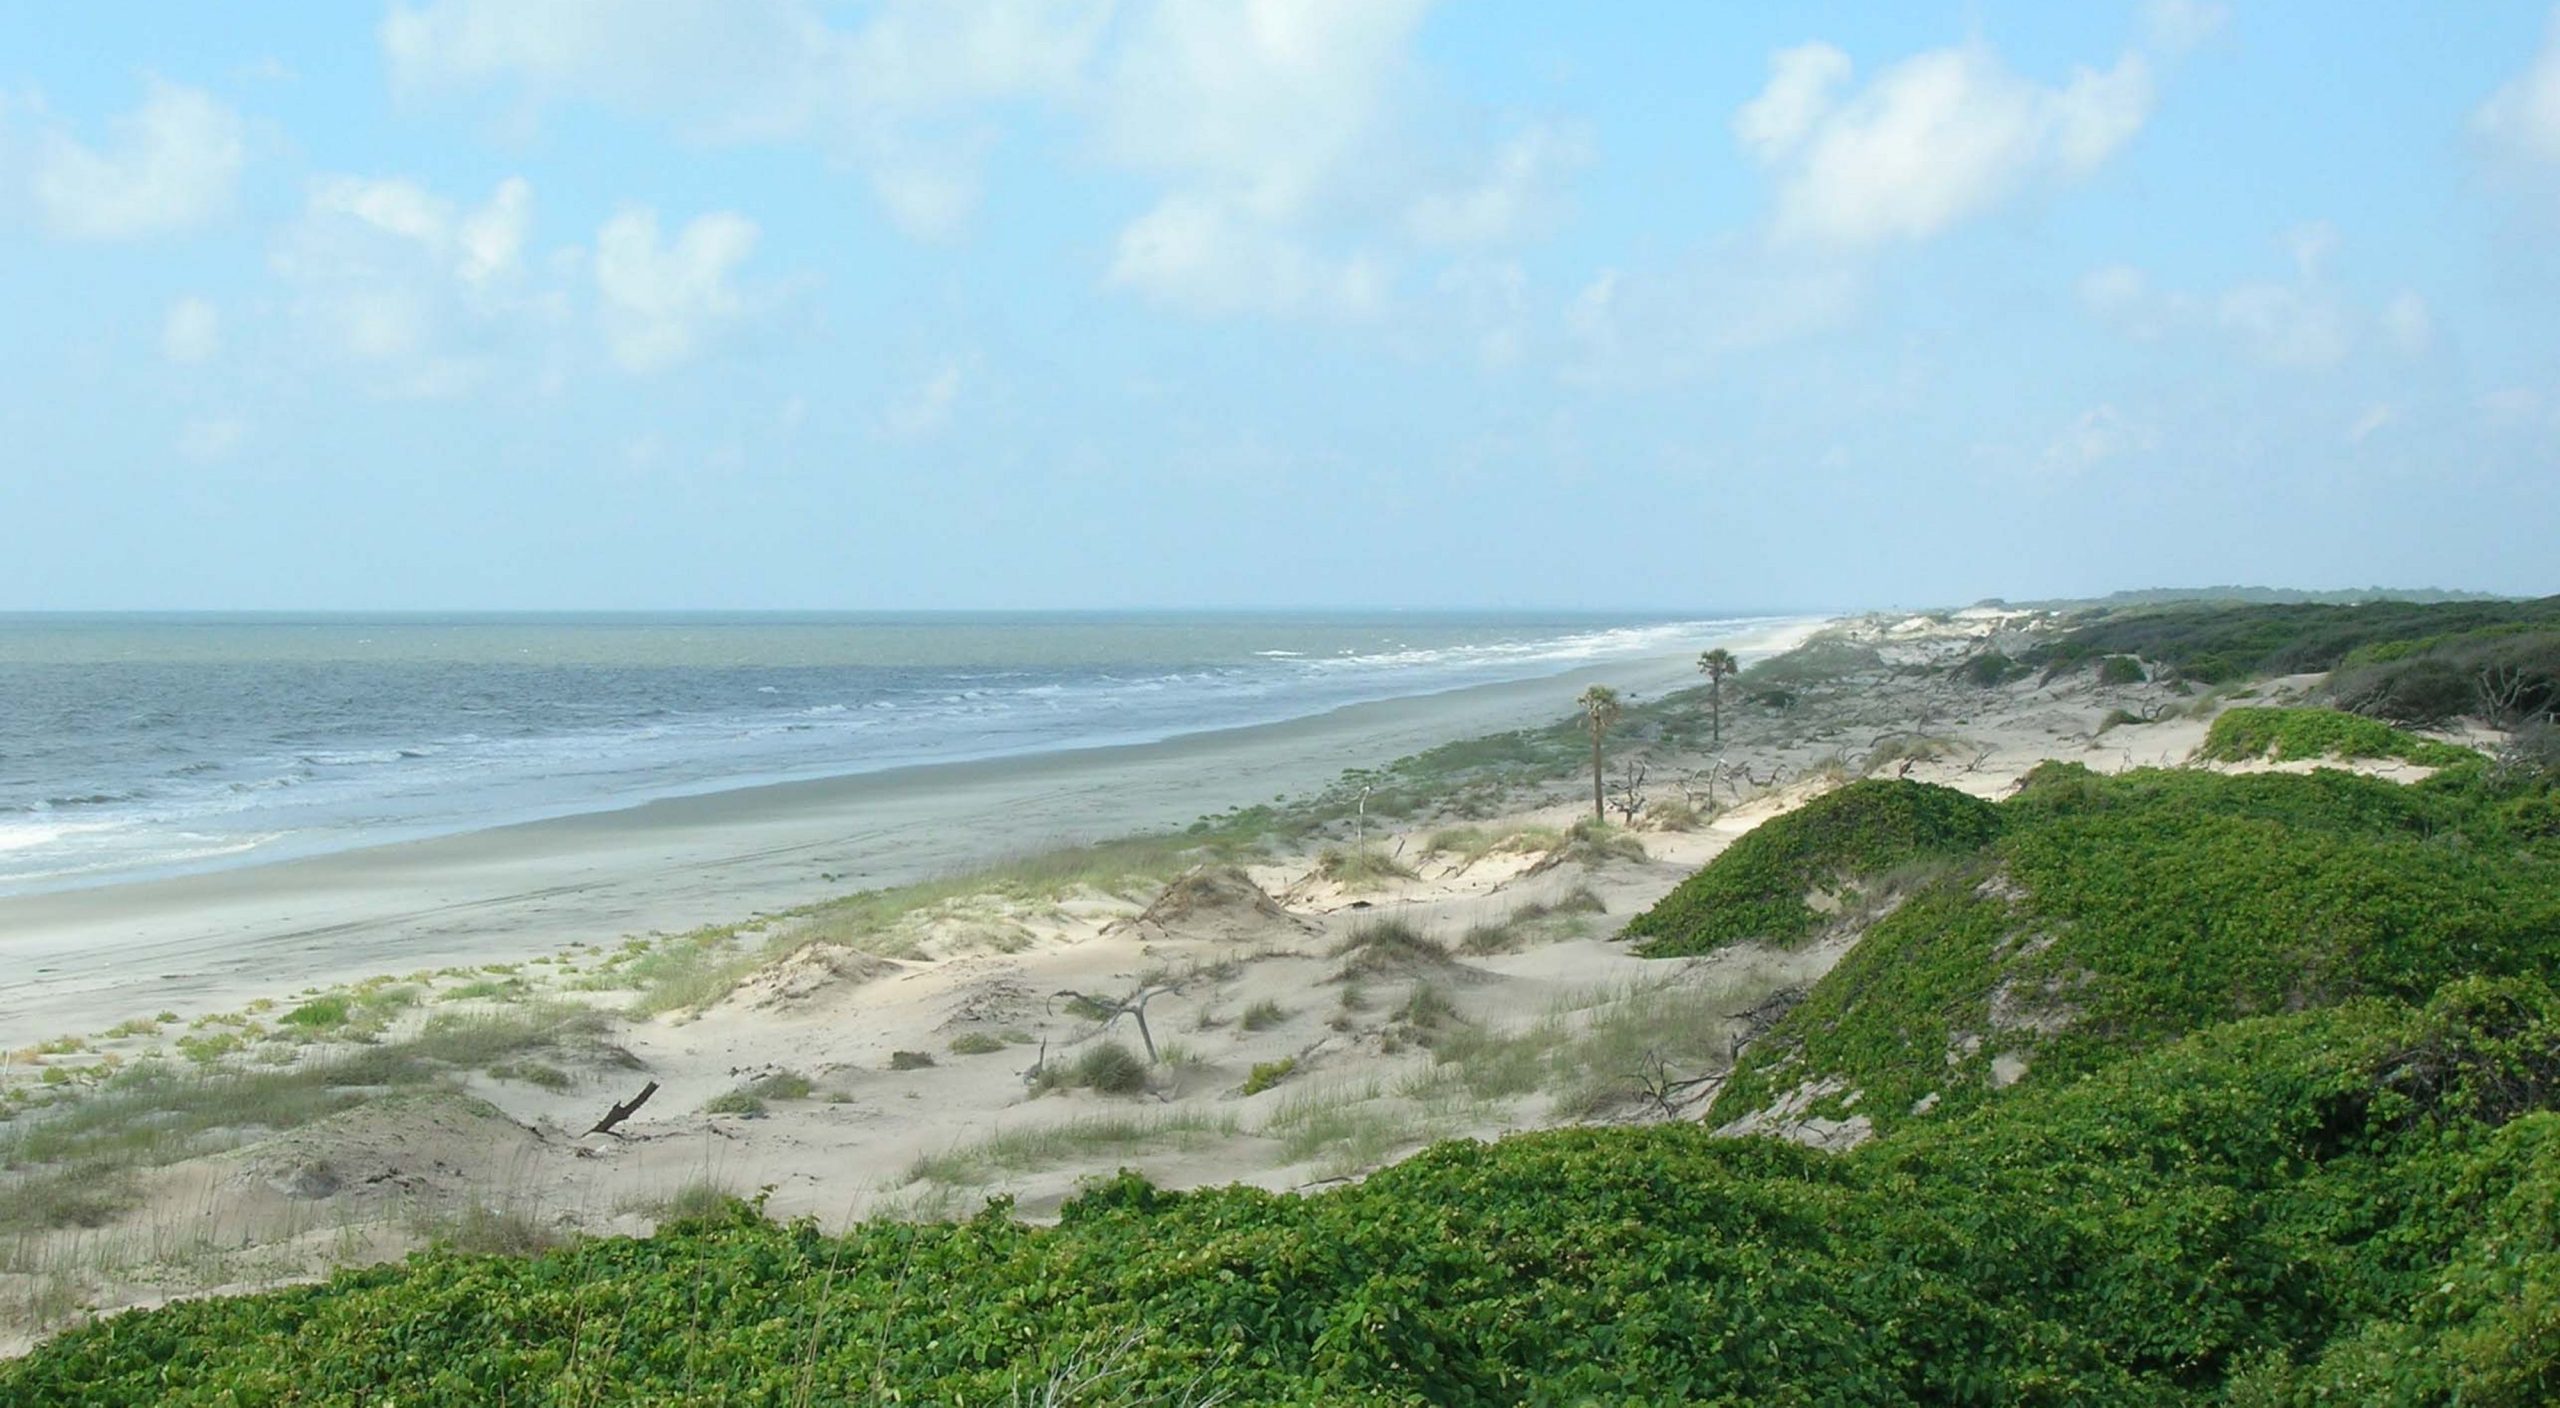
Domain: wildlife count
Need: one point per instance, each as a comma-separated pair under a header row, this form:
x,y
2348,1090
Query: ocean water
x,y
144,745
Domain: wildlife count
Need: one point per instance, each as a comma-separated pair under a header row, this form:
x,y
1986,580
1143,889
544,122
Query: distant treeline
x,y
2251,596
2418,662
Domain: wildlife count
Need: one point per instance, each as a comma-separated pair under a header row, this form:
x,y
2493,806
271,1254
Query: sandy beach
x,y
81,959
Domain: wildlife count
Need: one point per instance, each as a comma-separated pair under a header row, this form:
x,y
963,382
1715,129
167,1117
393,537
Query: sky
x,y
734,304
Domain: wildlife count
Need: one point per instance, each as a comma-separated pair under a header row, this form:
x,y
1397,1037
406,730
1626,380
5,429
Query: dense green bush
x,y
2214,643
2119,670
1758,888
2359,1200
2502,675
2113,914
2248,735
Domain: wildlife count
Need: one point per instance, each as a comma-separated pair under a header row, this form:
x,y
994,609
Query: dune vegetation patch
x,y
1764,886
2109,914
2246,735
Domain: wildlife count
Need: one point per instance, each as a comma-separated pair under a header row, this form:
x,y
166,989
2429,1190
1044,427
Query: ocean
x,y
142,745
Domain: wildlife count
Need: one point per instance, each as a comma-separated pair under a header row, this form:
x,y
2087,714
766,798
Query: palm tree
x,y
1716,665
1599,711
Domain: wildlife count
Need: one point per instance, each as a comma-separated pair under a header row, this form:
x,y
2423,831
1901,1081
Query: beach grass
x,y
1068,1141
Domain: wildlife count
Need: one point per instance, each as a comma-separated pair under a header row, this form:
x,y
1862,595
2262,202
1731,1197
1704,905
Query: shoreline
x,y
82,958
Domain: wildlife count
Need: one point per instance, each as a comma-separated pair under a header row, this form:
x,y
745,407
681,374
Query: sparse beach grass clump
x,y
1361,867
151,1113
1267,1074
1563,916
1106,1067
1081,1139
976,1044
1389,949
1262,1016
1590,842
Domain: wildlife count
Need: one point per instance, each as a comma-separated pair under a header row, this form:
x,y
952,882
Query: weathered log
x,y
625,1110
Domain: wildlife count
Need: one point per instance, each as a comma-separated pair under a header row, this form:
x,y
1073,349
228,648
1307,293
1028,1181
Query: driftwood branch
x,y
625,1110
1133,1006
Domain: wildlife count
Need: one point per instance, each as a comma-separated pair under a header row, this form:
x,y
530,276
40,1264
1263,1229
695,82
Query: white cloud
x,y
2287,325
1935,139
923,412
1262,102
2375,417
2408,323
2306,322
192,331
663,299
1490,300
168,165
2523,117
1204,255
491,239
2100,434
1668,325
1263,117
2519,408
392,275
885,95
2176,26
1802,83
1514,196
2120,293
211,438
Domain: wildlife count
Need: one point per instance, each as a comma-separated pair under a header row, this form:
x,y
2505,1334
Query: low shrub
x,y
1268,1074
2251,734
1758,888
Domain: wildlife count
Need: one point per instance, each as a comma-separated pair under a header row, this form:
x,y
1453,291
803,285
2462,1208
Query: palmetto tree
x,y
1717,665
1600,710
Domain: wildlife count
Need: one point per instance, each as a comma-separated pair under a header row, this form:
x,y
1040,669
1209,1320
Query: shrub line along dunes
x,y
2025,1069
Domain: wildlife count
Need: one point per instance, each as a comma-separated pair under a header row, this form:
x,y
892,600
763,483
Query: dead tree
x,y
1667,1092
1133,1006
2501,690
1626,791
625,1110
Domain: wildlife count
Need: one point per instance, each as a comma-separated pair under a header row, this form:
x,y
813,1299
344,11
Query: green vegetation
x,y
1601,711
2247,735
2211,644
2184,1087
976,1044
1533,920
1989,669
1262,1016
1589,843
2119,670
911,1060
1763,886
149,1113
1267,1074
1085,1137
320,1013
1389,949
2110,915
1107,1067
2506,675
1360,867
2351,1205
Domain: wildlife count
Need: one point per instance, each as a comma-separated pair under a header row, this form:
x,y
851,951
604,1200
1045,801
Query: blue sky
x,y
987,303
